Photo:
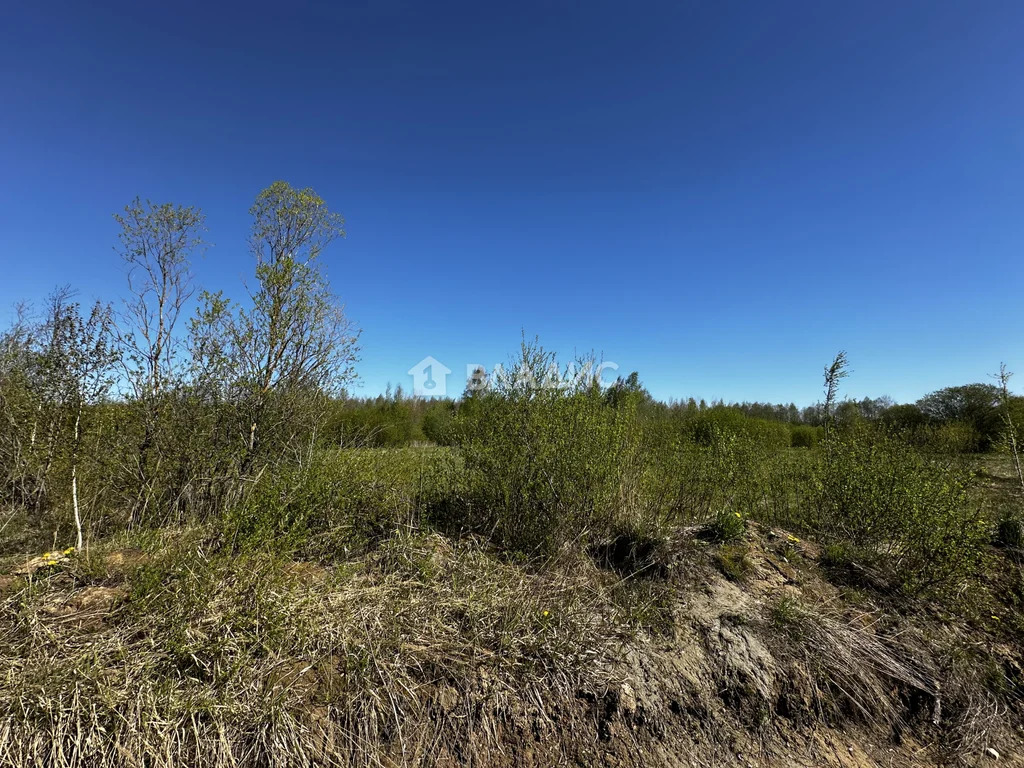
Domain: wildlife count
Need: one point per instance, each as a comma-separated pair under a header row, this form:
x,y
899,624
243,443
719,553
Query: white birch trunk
x,y
74,483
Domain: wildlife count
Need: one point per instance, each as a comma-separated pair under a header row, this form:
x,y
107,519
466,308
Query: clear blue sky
x,y
719,195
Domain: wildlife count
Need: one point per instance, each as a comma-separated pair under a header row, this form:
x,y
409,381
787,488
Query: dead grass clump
x,y
854,671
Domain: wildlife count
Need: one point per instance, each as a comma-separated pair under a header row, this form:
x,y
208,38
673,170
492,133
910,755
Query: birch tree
x,y
293,341
1009,424
78,363
157,243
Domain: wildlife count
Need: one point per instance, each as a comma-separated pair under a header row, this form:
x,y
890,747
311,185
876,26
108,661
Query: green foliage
x,y
337,502
705,428
804,436
732,473
385,422
439,422
726,527
873,493
904,418
544,464
955,437
973,404
278,355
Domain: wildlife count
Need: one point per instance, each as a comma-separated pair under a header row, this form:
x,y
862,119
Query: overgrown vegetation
x,y
268,558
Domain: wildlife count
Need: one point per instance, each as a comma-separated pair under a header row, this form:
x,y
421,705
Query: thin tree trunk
x,y
1016,458
35,426
74,481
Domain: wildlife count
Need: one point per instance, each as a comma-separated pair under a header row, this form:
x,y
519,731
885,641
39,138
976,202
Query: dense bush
x,y
897,507
384,422
439,422
726,473
337,502
705,427
545,465
804,436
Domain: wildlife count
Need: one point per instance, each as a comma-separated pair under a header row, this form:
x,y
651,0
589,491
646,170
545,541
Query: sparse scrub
x,y
337,502
245,565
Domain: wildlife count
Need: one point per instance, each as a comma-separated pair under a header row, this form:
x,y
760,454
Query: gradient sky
x,y
719,195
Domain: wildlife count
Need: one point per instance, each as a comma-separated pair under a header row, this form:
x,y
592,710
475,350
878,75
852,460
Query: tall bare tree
x,y
1009,426
157,243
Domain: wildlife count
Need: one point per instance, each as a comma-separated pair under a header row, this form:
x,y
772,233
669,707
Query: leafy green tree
x,y
626,389
973,404
293,343
905,417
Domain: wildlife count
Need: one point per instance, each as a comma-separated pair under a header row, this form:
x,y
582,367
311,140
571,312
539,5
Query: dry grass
x,y
856,671
435,652
216,661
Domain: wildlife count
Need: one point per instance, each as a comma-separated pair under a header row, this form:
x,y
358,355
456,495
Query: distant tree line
x,y
968,418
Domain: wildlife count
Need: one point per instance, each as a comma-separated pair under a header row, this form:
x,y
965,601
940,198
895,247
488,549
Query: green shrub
x,y
733,472
339,501
803,436
952,438
706,427
438,423
727,526
546,465
876,494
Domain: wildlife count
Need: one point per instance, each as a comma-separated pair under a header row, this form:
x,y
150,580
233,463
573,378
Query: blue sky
x,y
719,195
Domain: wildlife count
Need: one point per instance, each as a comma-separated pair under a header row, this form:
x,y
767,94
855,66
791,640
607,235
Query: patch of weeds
x,y
726,527
646,605
733,561
788,615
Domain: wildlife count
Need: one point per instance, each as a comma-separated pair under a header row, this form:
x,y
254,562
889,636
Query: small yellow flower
x,y
997,618
545,613
737,514
69,550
